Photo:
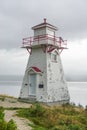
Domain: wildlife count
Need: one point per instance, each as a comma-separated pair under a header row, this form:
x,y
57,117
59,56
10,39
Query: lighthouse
x,y
44,77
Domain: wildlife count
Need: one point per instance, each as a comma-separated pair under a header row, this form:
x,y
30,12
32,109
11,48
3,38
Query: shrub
x,y
34,111
38,110
73,127
6,125
1,113
11,125
86,108
2,98
66,117
80,106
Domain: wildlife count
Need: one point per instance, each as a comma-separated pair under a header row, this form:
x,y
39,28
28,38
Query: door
x,y
32,86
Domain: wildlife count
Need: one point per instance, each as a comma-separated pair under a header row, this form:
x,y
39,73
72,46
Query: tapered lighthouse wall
x,y
52,77
37,59
57,87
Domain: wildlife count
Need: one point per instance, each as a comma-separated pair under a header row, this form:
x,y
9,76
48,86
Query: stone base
x,y
33,100
57,103
28,100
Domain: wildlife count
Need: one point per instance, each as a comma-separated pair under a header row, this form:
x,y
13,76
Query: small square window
x,y
41,85
54,57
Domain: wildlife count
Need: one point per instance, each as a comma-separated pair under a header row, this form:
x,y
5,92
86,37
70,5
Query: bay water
x,y
11,85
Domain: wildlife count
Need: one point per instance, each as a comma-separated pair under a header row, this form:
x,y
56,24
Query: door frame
x,y
29,77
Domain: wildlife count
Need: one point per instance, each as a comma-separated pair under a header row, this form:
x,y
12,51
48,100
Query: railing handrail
x,y
56,40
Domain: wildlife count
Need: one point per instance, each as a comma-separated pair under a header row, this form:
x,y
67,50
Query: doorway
x,y
32,86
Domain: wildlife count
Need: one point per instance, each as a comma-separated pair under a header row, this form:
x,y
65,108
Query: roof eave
x,y
44,25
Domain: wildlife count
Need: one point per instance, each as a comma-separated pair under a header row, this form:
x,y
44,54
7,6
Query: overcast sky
x,y
18,16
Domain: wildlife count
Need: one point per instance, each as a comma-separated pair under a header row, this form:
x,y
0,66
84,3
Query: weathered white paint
x,y
50,86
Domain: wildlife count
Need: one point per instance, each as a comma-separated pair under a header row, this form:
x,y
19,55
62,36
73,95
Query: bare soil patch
x,y
22,123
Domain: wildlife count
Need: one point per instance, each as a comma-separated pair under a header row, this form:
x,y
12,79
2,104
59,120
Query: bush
x,y
66,117
34,111
73,127
1,113
86,108
37,111
11,125
2,98
80,106
6,125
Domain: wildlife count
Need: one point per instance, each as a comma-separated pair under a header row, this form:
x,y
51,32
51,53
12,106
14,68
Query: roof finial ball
x,y
45,20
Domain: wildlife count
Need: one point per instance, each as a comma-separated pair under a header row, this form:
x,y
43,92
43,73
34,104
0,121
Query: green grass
x,y
7,96
2,98
6,125
66,117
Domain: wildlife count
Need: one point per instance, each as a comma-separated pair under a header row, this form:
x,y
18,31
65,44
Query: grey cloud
x,y
17,17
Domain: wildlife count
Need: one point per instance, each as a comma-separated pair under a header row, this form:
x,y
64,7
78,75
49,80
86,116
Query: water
x,y
10,85
77,90
11,88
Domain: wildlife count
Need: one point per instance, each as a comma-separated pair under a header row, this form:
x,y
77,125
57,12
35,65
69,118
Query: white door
x,y
32,86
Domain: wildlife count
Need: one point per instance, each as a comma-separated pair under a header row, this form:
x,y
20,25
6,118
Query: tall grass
x,y
66,117
6,125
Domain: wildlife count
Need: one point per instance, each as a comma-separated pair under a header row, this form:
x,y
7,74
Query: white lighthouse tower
x,y
44,77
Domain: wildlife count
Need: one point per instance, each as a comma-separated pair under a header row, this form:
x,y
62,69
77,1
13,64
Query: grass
x,y
2,99
10,99
6,96
6,125
65,117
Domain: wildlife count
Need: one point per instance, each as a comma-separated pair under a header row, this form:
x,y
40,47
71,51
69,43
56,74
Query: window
x,y
54,57
50,32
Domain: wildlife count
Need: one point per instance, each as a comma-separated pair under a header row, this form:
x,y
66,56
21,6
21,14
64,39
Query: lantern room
x,y
44,28
44,35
